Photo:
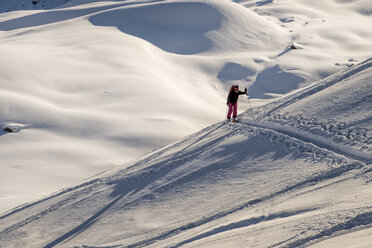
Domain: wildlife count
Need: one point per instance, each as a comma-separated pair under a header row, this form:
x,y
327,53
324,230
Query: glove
x,y
245,91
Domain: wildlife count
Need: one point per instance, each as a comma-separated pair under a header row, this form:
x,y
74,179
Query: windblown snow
x,y
87,85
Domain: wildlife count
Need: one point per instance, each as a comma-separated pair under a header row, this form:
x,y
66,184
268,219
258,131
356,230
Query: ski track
x,y
317,144
302,137
364,219
332,173
316,179
314,139
243,223
131,171
349,133
149,175
159,169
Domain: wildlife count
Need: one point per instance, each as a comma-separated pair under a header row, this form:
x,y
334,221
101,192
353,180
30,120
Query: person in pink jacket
x,y
232,101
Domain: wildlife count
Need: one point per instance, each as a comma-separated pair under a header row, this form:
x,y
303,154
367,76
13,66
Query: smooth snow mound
x,y
195,27
185,34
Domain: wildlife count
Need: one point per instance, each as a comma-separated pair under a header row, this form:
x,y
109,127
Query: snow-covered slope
x,y
90,84
293,173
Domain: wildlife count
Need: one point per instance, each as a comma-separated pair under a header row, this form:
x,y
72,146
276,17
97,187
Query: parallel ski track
x,y
96,182
291,134
143,174
159,167
324,176
313,139
322,143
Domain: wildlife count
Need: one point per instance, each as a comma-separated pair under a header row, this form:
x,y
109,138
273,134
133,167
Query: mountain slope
x,y
90,84
277,179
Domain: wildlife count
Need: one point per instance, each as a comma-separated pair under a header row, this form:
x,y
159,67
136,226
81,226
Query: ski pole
x,y
249,102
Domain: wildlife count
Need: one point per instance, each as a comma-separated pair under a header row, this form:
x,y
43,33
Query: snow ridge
x,y
314,139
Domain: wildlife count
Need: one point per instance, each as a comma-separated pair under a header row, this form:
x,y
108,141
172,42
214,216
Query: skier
x,y
232,101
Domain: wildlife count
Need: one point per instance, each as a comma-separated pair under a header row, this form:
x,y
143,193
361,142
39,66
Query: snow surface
x,y
251,184
91,84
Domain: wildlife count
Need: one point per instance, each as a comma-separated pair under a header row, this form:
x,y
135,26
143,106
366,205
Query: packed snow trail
x,y
312,138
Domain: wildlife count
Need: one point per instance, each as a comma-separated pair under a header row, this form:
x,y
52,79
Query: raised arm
x,y
243,92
